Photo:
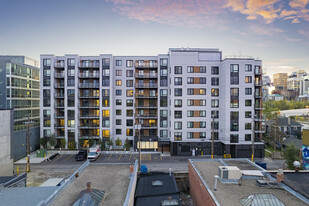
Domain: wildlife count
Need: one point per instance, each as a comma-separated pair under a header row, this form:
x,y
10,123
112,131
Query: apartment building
x,y
20,91
180,100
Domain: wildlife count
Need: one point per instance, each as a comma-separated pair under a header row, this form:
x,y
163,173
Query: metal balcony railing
x,y
146,65
59,105
88,105
88,75
146,106
146,75
59,64
59,75
142,96
59,85
95,64
88,96
88,85
59,95
88,116
146,85
258,83
258,71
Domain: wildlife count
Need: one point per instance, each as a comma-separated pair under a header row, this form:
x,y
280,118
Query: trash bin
x,y
262,164
143,169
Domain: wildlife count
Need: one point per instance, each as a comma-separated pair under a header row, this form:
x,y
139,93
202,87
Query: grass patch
x,y
271,149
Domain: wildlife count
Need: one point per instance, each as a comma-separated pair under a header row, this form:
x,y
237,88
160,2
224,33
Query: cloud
x,y
196,13
304,32
264,30
270,10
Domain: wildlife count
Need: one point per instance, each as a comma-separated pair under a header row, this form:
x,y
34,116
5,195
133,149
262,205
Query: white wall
x,y
6,163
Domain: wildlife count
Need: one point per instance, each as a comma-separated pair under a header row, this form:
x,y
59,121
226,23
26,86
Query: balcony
x,y
257,95
88,116
258,107
95,64
59,64
88,85
258,83
59,85
149,126
59,136
89,137
140,96
59,75
59,116
145,106
146,75
146,85
59,95
147,116
59,126
85,106
58,105
88,96
88,75
146,65
258,71
89,126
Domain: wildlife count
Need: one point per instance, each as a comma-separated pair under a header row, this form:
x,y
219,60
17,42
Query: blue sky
x,y
273,30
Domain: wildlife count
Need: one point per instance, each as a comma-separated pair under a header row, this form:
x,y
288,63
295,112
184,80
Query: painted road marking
x,y
110,156
68,157
119,156
100,156
58,157
130,156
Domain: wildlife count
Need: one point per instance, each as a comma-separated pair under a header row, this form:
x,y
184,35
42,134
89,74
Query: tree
x,y
118,142
291,154
127,144
52,140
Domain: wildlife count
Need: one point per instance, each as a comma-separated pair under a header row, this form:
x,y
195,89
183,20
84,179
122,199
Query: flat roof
x,y
231,194
111,178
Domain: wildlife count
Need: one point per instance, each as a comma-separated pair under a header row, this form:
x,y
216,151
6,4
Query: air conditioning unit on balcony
x,y
229,173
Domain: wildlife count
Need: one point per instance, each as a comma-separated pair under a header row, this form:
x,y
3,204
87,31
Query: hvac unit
x,y
229,173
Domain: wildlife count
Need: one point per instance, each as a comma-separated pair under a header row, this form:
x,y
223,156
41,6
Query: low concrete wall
x,y
198,190
7,169
132,186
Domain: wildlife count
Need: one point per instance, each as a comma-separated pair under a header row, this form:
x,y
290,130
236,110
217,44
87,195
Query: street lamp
x,y
139,127
253,136
28,123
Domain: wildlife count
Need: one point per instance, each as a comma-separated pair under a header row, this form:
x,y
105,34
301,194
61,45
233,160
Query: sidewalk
x,y
34,159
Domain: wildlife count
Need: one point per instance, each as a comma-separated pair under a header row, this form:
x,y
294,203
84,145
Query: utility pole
x,y
28,144
139,126
212,136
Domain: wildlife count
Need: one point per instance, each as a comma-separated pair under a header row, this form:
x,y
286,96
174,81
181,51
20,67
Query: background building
x,y
172,96
280,81
20,90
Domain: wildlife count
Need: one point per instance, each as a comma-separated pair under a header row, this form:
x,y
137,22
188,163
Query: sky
x,y
275,31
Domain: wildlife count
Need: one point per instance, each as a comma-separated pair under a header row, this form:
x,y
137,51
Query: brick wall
x,y
198,191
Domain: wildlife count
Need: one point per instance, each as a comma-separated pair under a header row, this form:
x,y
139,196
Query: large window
x,y
163,92
214,92
129,93
129,73
178,136
202,80
163,133
178,103
178,81
178,70
178,92
118,63
248,68
234,68
214,70
248,91
129,83
248,79
190,80
129,63
248,126
178,114
234,138
215,103
118,82
129,102
177,125
215,81
248,102
234,92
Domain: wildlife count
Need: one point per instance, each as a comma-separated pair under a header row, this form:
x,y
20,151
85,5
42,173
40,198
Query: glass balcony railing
x,y
88,75
146,75
146,85
88,85
95,64
59,75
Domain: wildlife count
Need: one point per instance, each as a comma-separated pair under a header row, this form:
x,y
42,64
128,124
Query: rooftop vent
x,y
157,183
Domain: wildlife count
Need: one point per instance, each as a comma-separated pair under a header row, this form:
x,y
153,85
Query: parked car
x,y
81,155
94,153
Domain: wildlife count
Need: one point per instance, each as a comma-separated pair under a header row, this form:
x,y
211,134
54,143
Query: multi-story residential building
x,y
295,81
180,100
20,90
280,81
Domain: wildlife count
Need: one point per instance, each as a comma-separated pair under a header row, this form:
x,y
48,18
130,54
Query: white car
x,y
93,153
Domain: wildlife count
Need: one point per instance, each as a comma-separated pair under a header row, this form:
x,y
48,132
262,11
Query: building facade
x,y
176,98
20,91
280,81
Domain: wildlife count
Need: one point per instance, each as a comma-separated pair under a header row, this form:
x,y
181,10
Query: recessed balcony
x,y
88,75
88,85
146,75
146,85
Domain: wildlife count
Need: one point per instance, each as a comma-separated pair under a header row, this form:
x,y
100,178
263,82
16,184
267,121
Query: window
x,y
215,81
190,102
163,133
202,113
163,92
177,92
190,80
129,102
202,102
105,72
129,83
129,63
214,70
248,91
129,113
118,111
129,122
202,80
215,114
129,92
118,121
202,124
234,68
190,113
248,114
178,114
118,82
234,92
46,62
190,91
234,138
178,81
118,131
190,69
178,103
105,62
234,103
163,113
247,137
248,68
118,102
129,132
163,62
202,134
163,82
129,73
118,72
118,92
202,69
214,92
189,135
202,91
234,79
163,72
248,79
178,69
178,125
105,123
248,126
163,123
248,102
215,103
118,63
178,136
